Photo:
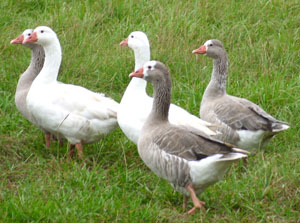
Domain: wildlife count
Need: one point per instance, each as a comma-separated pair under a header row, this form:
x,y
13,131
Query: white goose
x,y
242,122
136,105
189,159
26,79
72,112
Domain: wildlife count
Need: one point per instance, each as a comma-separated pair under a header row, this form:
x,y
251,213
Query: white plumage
x,y
135,105
66,110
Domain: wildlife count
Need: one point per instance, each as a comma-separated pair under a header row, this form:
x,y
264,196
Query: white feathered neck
x,y
53,57
141,56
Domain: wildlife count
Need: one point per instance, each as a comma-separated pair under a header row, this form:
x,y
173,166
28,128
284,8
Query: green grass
x,y
262,38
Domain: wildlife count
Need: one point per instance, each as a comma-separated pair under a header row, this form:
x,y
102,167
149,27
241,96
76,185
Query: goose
x,y
135,104
242,122
186,157
65,110
26,79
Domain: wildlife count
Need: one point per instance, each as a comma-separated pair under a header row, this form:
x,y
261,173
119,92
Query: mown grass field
x,y
262,38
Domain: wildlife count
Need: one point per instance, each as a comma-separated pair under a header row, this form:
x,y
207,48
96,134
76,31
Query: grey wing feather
x,y
241,114
190,145
259,111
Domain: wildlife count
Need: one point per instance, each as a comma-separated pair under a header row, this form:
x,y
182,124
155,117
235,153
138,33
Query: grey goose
x,y
186,157
242,122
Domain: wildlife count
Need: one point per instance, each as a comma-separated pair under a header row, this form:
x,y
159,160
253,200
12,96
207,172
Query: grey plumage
x,y
234,114
26,79
175,152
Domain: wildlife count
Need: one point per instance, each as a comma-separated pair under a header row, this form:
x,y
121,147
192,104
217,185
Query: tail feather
x,y
238,150
232,157
278,127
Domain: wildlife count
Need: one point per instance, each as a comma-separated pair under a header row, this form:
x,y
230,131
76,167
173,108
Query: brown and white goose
x,y
242,122
188,158
26,79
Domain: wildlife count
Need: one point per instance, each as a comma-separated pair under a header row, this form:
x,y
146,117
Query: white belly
x,y
251,140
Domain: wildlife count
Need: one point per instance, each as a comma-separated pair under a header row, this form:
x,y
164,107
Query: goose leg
x,y
56,138
61,142
185,198
47,137
71,150
197,203
79,150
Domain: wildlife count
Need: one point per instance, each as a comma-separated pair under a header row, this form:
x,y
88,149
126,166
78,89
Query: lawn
x,y
262,39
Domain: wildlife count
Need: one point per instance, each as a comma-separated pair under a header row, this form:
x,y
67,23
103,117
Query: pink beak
x,y
139,73
32,38
200,50
18,40
124,42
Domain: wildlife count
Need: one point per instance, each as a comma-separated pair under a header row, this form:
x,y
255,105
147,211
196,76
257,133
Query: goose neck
x,y
36,64
161,102
37,59
53,57
141,56
138,84
217,84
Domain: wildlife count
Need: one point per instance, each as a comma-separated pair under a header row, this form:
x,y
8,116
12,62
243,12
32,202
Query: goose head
x,y
24,35
136,40
152,71
212,48
42,35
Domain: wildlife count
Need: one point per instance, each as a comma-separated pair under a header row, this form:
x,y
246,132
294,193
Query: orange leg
x,y
185,198
71,150
197,203
79,150
61,142
47,137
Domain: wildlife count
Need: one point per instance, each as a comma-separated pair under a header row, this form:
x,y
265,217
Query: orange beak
x,y
124,42
32,38
139,73
18,40
200,50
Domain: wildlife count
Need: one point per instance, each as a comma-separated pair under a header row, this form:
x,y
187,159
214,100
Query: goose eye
x,y
210,44
42,31
149,67
131,36
29,34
